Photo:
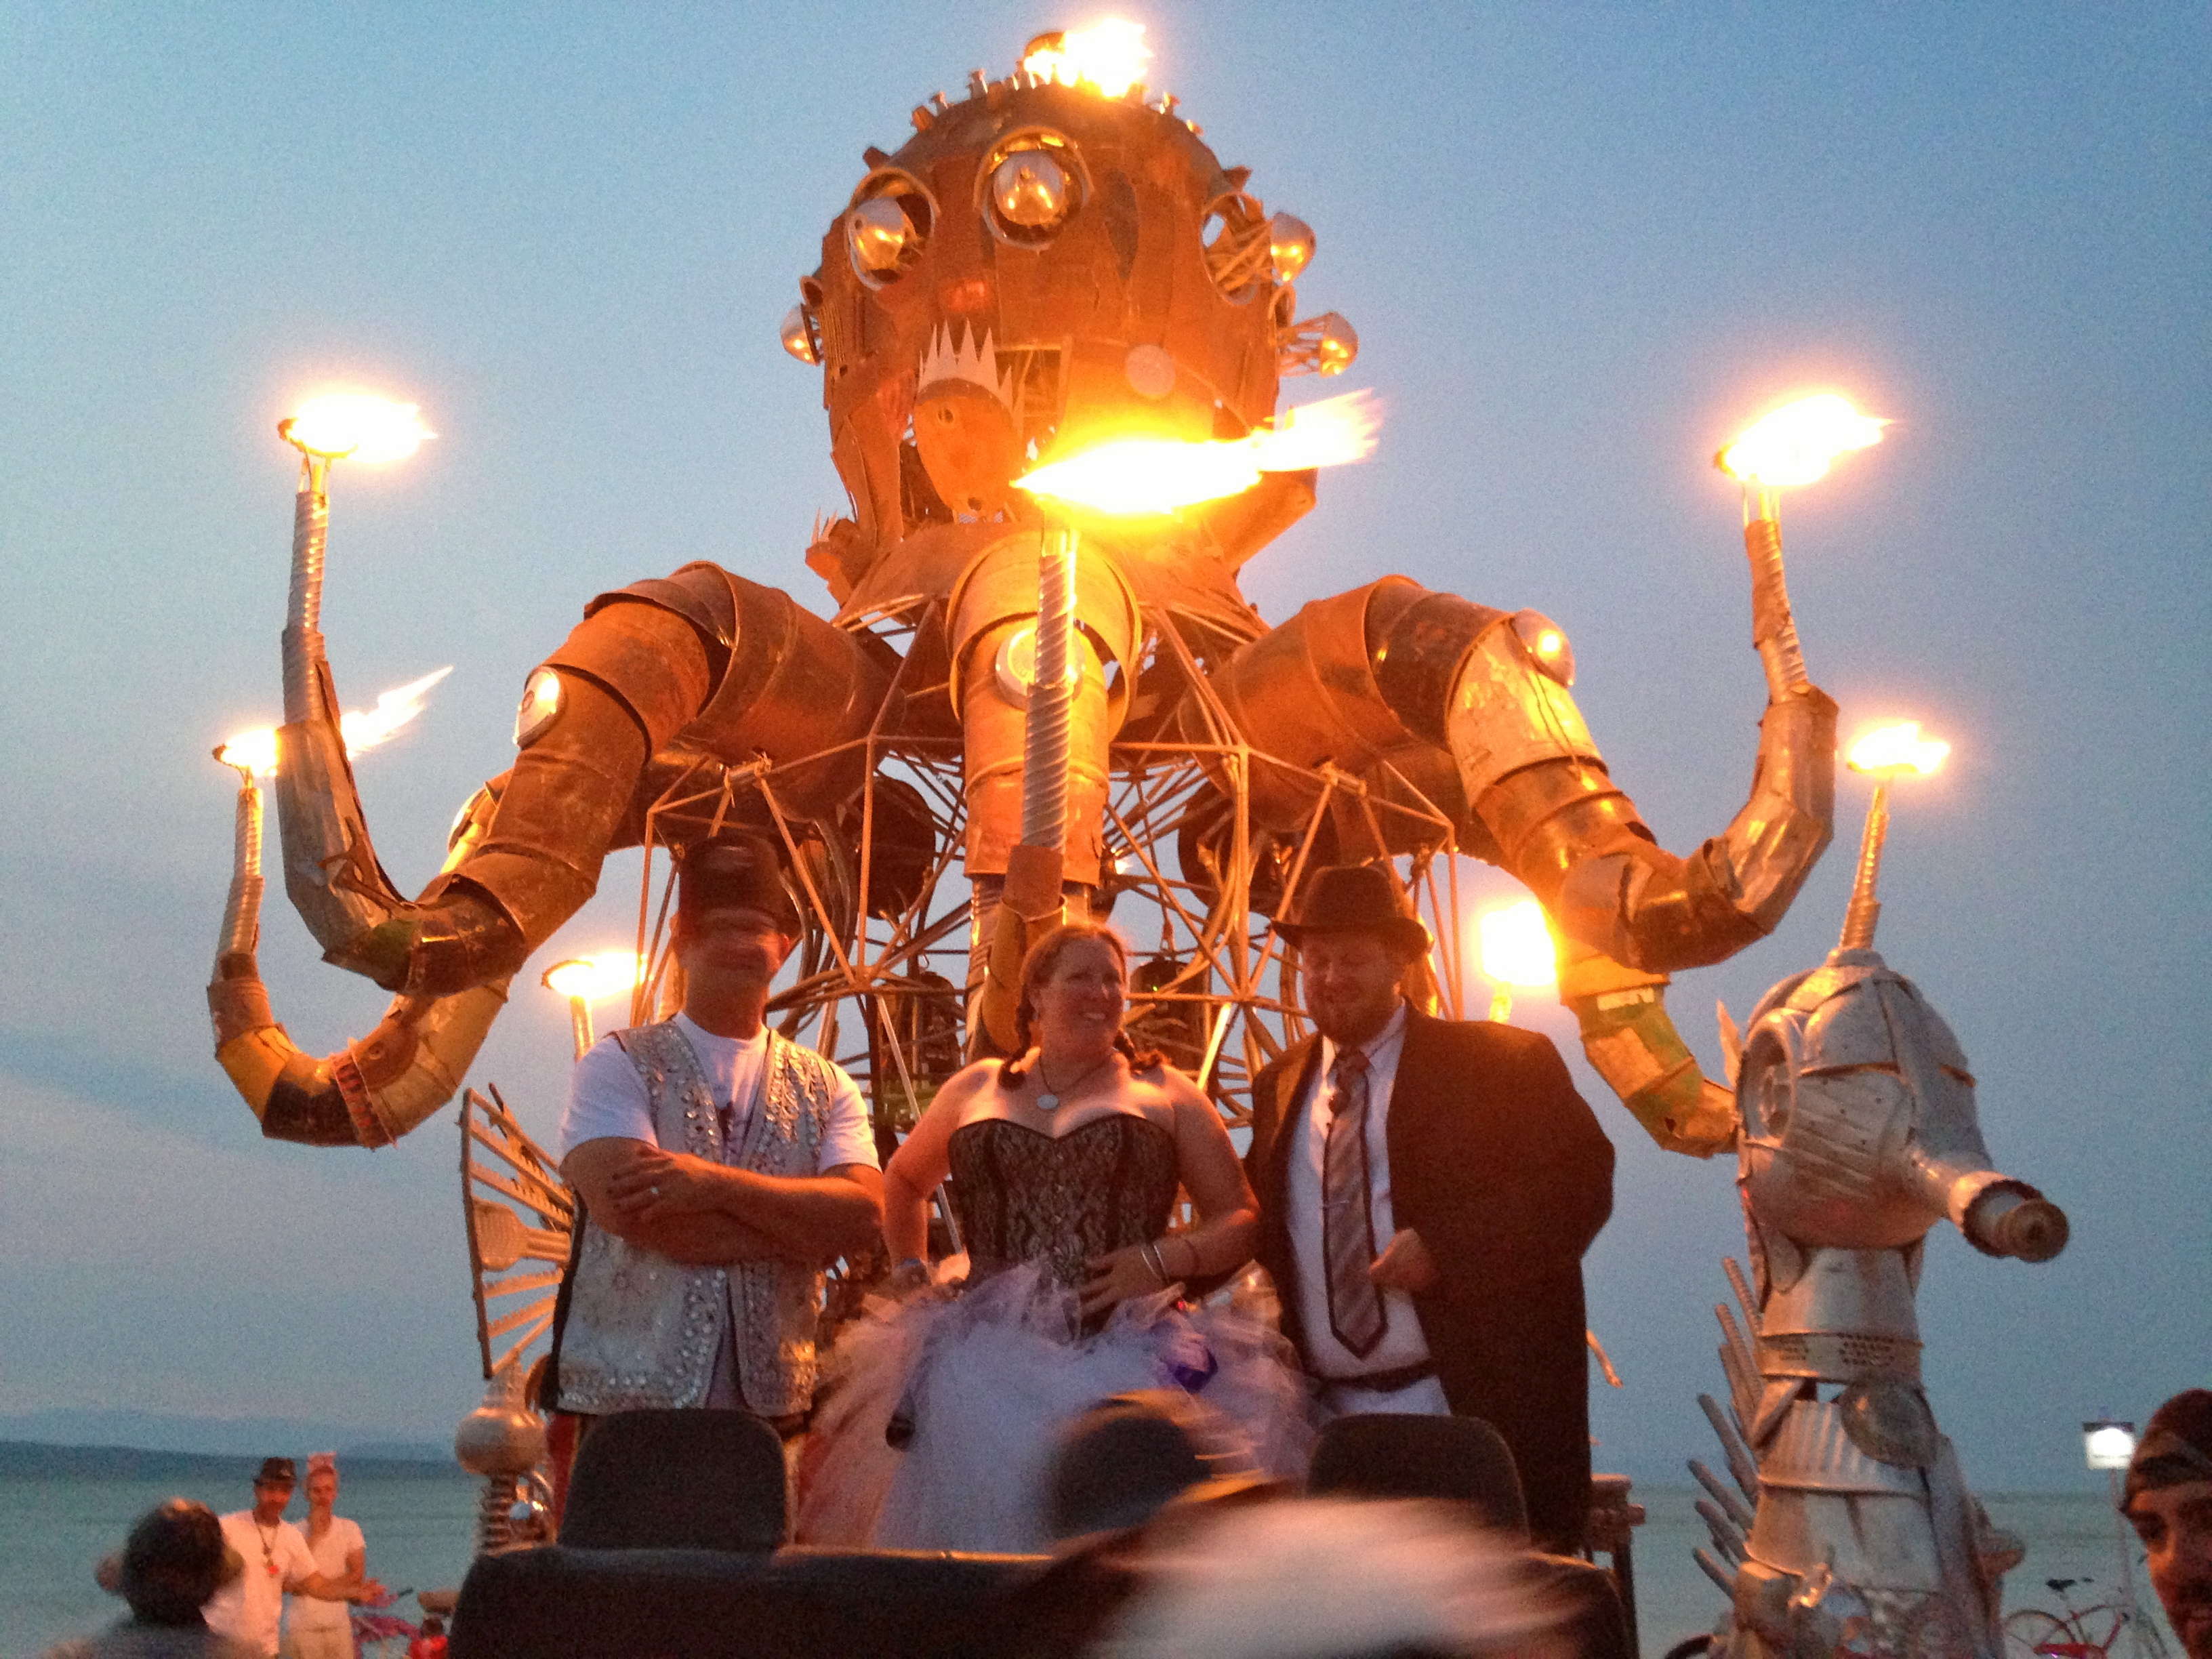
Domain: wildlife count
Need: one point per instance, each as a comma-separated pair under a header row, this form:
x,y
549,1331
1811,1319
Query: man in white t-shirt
x,y
250,1607
722,1167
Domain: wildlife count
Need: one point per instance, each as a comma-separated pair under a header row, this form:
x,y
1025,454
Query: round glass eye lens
x,y
878,232
1029,189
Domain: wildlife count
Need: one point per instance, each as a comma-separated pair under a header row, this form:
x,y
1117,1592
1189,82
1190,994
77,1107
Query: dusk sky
x,y
1581,246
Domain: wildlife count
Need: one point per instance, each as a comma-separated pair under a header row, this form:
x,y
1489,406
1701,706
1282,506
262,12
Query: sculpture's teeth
x,y
956,354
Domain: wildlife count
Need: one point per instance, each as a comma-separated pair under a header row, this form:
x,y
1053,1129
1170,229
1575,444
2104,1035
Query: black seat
x,y
556,1602
677,1480
1404,1455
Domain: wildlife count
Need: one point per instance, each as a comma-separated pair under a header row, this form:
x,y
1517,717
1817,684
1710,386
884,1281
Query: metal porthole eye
x,y
1290,246
887,226
543,698
1033,185
1547,643
799,335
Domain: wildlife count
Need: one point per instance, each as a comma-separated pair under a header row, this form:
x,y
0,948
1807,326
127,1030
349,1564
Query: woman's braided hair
x,y
1037,966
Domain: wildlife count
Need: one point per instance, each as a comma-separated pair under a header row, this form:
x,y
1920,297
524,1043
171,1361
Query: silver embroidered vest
x,y
643,1331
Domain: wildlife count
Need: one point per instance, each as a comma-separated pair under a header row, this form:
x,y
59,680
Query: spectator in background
x,y
251,1604
174,1559
315,1626
2169,1501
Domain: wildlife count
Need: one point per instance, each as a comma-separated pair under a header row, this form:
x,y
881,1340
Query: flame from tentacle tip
x,y
1108,57
1138,477
255,751
356,426
598,977
1893,751
1796,443
1517,948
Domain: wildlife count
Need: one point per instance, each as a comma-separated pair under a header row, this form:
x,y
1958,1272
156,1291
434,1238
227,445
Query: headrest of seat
x,y
1404,1455
677,1480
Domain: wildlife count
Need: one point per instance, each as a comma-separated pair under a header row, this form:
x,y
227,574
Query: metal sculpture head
x,y
1860,1130
1050,262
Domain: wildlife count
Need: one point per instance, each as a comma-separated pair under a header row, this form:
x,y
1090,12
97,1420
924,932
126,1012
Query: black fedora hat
x,y
737,868
1355,898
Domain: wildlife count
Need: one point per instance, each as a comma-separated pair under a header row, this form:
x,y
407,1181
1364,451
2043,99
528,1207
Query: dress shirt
x,y
1402,1343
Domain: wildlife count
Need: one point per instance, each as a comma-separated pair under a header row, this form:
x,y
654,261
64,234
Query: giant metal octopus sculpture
x,y
1050,262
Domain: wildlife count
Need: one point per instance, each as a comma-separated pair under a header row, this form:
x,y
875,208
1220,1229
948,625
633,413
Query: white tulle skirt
x,y
988,1377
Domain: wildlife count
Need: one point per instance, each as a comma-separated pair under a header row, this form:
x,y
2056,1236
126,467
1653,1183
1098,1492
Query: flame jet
x,y
1053,262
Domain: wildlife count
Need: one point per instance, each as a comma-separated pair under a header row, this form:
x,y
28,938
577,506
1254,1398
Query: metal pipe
x,y
1044,757
1773,629
1864,911
241,910
303,614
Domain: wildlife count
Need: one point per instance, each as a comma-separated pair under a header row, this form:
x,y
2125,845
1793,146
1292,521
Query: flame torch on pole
x,y
1794,445
1884,754
600,977
343,426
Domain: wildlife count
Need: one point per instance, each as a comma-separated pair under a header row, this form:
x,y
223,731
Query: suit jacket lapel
x,y
1413,1094
1297,1067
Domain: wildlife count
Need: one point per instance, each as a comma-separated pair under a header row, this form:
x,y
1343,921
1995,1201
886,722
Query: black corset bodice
x,y
1023,1196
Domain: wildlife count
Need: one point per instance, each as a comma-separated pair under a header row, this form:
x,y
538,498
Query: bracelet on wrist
x,y
1149,1253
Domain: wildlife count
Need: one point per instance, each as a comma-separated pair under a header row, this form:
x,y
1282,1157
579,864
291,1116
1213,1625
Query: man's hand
x,y
1405,1264
658,1186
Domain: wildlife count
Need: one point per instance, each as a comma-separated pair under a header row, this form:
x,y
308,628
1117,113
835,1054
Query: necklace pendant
x,y
1046,1102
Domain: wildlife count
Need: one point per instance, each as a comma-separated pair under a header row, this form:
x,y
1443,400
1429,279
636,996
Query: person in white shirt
x,y
315,1627
250,1607
722,1167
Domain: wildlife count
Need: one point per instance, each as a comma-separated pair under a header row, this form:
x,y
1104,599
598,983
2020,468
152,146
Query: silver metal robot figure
x,y
1858,1134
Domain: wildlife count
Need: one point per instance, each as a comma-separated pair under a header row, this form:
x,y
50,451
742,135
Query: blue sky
x,y
1581,244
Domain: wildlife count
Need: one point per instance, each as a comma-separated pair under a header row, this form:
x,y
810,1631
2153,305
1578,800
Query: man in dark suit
x,y
1427,1188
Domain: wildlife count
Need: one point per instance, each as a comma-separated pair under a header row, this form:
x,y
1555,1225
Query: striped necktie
x,y
1355,1306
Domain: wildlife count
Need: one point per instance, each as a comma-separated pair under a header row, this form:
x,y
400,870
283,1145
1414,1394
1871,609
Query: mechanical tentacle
x,y
1472,704
369,1093
723,665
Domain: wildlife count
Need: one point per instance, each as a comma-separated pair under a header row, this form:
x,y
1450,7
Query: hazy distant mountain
x,y
234,1437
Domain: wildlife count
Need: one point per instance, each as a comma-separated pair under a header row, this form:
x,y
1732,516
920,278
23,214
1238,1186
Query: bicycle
x,y
2085,1633
380,1633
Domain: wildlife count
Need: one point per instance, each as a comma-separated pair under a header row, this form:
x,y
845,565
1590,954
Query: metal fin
x,y
1738,1511
1741,1465
1714,1570
1745,1299
1731,1040
1740,1360
1726,1539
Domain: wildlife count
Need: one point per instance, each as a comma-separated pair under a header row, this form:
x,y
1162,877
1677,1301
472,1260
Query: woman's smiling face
x,y
1079,1001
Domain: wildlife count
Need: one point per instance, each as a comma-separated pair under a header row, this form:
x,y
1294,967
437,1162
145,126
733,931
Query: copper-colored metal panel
x,y
1305,693
1507,712
798,690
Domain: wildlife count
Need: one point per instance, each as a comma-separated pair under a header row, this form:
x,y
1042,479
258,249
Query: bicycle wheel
x,y
2031,1634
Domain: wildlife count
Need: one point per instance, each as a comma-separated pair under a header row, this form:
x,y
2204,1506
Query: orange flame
x,y
1516,945
1893,751
356,427
252,752
1108,57
362,729
598,977
1135,477
1796,443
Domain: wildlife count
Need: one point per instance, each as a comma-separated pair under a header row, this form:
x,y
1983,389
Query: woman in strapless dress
x,y
938,1427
